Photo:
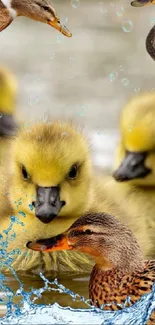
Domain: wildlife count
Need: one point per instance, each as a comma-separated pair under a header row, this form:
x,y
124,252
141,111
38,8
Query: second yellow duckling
x,y
40,10
8,125
133,188
120,269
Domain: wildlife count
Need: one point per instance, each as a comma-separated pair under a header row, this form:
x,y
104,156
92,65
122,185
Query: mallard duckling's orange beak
x,y
142,3
57,243
61,28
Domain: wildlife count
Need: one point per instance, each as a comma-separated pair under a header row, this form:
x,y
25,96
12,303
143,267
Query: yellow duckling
x,y
120,269
8,126
51,184
134,190
40,10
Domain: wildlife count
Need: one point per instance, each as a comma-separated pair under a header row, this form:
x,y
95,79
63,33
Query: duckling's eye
x,y
88,232
73,172
25,173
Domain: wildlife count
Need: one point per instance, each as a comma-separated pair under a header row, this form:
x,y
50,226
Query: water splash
x,y
27,312
30,313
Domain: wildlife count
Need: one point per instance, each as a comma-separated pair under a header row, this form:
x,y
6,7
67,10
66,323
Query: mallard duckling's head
x,y
135,156
8,93
40,10
51,173
142,3
100,235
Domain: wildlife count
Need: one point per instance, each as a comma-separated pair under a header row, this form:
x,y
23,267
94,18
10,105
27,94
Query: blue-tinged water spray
x,y
27,312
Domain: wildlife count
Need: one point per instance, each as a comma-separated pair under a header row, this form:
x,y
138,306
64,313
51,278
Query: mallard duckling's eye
x,y
46,8
73,172
88,232
25,173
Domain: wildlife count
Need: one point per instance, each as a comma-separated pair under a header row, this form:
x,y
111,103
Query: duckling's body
x,y
8,125
120,270
42,156
39,10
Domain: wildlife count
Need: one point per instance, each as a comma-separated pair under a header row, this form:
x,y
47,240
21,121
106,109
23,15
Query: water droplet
x,y
82,111
121,68
33,100
52,56
103,10
64,21
22,214
72,58
120,12
31,207
152,21
112,76
75,3
125,81
136,90
127,25
59,39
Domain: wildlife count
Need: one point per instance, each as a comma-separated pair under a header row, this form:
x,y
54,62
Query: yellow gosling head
x,y
51,172
135,157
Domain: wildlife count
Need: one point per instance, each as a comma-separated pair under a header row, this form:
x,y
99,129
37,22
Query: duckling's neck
x,y
8,5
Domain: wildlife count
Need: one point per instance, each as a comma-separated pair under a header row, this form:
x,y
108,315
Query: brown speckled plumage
x,y
114,285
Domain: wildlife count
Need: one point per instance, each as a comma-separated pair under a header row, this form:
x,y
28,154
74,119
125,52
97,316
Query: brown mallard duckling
x,y
150,40
39,10
120,269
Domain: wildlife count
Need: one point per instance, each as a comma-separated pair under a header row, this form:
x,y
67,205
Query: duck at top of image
x,y
150,40
132,186
39,10
120,270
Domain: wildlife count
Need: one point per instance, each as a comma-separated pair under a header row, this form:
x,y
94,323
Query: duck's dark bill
x,y
140,3
52,244
62,29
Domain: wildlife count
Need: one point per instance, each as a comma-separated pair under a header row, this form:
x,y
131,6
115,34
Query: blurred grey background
x,y
88,77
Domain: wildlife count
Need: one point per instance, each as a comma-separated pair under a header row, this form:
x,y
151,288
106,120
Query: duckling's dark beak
x,y
133,166
8,126
141,3
62,29
48,203
57,243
